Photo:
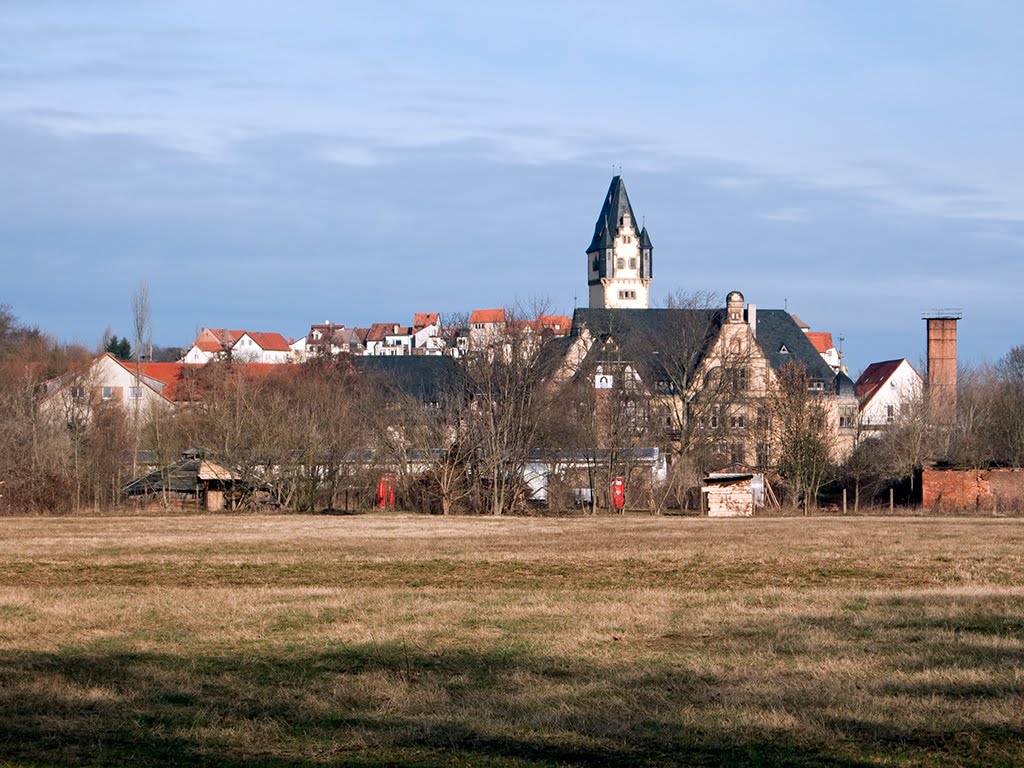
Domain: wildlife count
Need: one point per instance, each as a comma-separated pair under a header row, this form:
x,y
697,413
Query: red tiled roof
x,y
423,319
558,324
362,334
221,339
216,339
270,342
874,376
821,340
379,331
487,316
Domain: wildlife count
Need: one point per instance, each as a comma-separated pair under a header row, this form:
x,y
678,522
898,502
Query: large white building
x,y
619,256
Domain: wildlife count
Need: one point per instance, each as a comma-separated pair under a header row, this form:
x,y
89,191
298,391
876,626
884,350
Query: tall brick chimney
x,y
942,362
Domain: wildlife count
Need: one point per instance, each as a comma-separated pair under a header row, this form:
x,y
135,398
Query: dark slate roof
x,y
653,340
428,378
776,330
843,386
645,239
616,205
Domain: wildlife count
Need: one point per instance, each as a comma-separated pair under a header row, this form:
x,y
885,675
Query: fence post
x,y
844,501
890,501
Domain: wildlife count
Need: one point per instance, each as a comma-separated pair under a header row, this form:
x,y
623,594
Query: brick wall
x,y
972,489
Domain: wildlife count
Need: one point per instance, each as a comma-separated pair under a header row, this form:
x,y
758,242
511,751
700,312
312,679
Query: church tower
x,y
619,256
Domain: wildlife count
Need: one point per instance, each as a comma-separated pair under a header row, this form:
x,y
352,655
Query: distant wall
x,y
973,489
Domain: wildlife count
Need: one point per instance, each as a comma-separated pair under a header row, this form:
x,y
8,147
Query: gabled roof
x,y
487,316
423,319
559,325
379,331
821,340
783,341
222,339
874,376
615,206
800,323
217,339
270,342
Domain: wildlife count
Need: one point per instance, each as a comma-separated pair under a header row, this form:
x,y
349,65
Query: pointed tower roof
x,y
645,239
616,205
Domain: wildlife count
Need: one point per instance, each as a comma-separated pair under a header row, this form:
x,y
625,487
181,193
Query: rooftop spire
x,y
616,205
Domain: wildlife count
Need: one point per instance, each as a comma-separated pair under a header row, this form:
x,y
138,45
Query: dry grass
x,y
383,640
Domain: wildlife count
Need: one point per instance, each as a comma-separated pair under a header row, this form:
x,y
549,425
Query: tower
x,y
619,256
942,363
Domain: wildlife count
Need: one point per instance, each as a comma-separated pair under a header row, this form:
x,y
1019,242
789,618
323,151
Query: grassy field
x,y
401,640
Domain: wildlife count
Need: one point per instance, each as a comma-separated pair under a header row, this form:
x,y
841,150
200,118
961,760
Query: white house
x,y
243,346
107,381
883,390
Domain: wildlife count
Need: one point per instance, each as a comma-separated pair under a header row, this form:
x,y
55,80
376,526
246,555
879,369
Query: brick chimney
x,y
942,362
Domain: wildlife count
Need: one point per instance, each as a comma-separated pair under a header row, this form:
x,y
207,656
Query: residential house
x,y
239,345
884,389
108,381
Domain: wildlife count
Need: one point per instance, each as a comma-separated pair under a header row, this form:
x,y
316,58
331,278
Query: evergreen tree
x,y
120,348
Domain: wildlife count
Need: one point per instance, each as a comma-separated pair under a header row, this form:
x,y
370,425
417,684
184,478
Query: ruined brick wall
x,y
972,489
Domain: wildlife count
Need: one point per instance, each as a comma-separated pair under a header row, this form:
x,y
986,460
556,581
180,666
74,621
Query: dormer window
x,y
783,350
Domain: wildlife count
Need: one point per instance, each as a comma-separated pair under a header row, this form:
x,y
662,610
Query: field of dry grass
x,y
400,640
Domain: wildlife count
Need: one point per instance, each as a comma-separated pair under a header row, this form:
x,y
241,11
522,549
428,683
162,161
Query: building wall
x,y
973,489
903,387
608,293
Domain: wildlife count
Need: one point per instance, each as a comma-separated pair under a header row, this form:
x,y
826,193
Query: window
x,y
816,386
107,393
764,421
713,421
764,455
890,413
627,239
632,263
740,379
848,416
625,295
620,263
134,393
737,422
78,393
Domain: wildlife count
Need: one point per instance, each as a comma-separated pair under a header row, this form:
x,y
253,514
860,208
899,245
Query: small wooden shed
x,y
194,478
733,494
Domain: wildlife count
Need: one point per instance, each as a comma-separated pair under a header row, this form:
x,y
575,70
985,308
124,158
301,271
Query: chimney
x,y
942,362
752,319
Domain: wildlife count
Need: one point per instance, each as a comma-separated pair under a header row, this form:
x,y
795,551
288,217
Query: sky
x,y
269,165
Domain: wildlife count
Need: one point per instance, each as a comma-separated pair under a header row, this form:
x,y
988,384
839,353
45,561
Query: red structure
x,y
386,492
619,493
942,362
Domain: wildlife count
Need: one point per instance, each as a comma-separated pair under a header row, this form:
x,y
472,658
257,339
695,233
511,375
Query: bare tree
x,y
141,318
799,416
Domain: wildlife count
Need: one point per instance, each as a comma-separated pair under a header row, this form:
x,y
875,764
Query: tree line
x,y
319,435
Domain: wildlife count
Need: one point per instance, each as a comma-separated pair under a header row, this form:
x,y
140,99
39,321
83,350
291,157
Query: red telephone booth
x,y
386,492
619,493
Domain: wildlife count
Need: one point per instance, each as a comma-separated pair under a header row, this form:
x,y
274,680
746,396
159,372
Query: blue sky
x,y
269,165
